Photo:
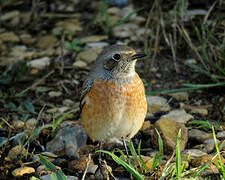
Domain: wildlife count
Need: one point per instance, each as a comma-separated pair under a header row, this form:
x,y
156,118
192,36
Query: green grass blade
x,y
124,164
204,85
58,174
160,142
140,158
218,154
178,156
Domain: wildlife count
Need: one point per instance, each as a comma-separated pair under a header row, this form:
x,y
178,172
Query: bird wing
x,y
85,89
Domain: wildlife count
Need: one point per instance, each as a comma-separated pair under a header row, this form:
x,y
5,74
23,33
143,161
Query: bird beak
x,y
137,56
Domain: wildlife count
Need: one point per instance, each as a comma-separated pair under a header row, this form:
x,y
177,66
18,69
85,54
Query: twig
x,y
5,121
35,84
168,162
173,52
62,53
88,162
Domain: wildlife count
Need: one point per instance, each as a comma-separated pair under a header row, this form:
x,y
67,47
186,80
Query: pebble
x,y
201,111
180,96
92,169
18,124
169,135
69,27
40,63
126,30
46,42
80,64
157,104
53,94
97,44
68,140
22,170
221,135
179,115
15,152
9,37
89,55
9,15
31,125
48,177
27,39
93,38
210,145
194,153
198,135
68,102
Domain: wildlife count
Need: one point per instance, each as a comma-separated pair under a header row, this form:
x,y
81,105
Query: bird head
x,y
116,62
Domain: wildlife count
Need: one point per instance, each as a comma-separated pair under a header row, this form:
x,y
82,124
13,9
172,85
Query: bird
x,y
113,101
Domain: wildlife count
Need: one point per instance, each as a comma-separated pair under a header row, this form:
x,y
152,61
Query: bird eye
x,y
116,57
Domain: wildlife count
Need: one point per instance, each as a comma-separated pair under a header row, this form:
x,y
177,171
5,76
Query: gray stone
x,y
198,135
68,140
157,104
221,135
48,177
179,115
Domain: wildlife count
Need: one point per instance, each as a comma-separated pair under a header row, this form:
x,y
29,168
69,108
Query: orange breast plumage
x,y
114,110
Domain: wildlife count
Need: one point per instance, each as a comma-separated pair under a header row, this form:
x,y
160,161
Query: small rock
x,y
191,61
31,125
168,129
193,153
221,135
148,162
80,164
68,140
61,110
210,145
179,115
97,44
46,42
198,161
94,38
18,124
20,54
55,94
198,135
40,63
92,169
9,15
103,172
69,27
89,55
27,39
15,152
201,111
9,37
126,30
48,177
119,3
157,104
80,64
180,96
23,170
68,102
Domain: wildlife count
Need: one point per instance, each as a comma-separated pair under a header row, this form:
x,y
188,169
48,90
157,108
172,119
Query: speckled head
x,y
116,62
